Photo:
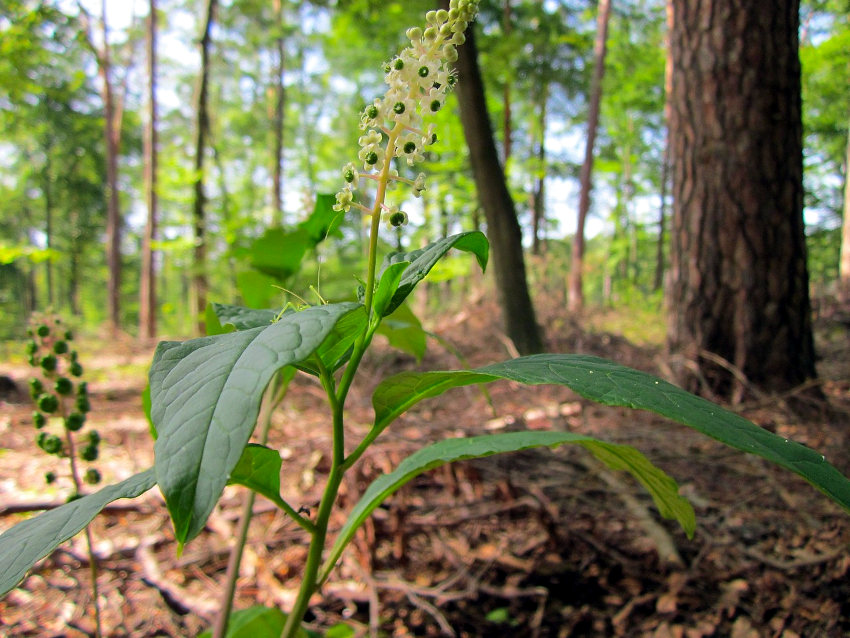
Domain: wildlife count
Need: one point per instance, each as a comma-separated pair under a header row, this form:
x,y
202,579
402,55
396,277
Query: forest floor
x,y
542,543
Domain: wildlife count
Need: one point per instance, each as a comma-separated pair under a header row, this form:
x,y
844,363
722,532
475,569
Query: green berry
x,y
63,386
89,453
50,477
74,497
48,362
82,405
60,347
75,421
69,336
372,111
32,347
42,331
435,105
76,369
38,420
92,476
399,64
372,158
47,403
398,219
36,388
40,439
423,71
94,437
398,108
409,147
52,444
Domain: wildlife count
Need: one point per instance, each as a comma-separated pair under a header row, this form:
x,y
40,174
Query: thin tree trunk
x,y
277,125
202,128
739,279
502,225
112,116
538,206
147,305
844,269
507,124
575,299
658,283
48,228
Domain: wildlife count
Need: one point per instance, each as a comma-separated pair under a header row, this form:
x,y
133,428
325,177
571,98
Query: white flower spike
x,y
418,80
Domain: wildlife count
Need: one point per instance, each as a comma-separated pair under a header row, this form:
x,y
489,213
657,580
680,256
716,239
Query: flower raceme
x,y
418,80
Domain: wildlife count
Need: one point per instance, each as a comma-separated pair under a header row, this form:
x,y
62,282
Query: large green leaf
x,y
278,252
205,396
423,259
222,318
612,384
663,489
324,221
404,331
336,348
29,541
258,469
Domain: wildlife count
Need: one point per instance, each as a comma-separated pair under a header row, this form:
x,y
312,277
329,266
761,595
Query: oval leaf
x,y
205,396
29,541
609,383
423,259
663,489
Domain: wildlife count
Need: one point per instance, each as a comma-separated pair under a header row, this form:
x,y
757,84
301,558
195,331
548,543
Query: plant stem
x,y
273,395
93,570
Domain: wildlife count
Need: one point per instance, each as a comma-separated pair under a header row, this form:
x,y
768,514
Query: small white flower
x,y
344,199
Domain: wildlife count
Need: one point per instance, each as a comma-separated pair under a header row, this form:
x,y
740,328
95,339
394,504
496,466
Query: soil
x,y
541,543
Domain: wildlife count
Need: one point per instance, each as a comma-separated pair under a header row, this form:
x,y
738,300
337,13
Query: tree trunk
x,y
507,119
844,269
147,301
277,125
739,280
658,283
202,128
538,196
575,298
502,225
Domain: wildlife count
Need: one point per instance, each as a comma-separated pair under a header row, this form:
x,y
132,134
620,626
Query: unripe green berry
x,y
92,476
69,336
40,438
32,347
75,421
60,347
42,331
435,105
63,386
398,64
409,147
50,477
423,71
94,437
372,158
47,403
398,218
38,419
76,369
398,108
372,111
48,362
89,453
52,444
82,405
36,388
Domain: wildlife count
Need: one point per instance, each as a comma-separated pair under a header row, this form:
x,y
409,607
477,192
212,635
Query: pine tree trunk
x,y
199,274
575,295
147,293
739,280
502,226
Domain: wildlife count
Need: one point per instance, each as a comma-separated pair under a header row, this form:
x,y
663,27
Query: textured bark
x,y
502,226
575,296
202,129
739,282
658,282
147,293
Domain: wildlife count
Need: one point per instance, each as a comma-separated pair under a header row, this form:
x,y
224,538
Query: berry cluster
x,y
419,79
60,396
